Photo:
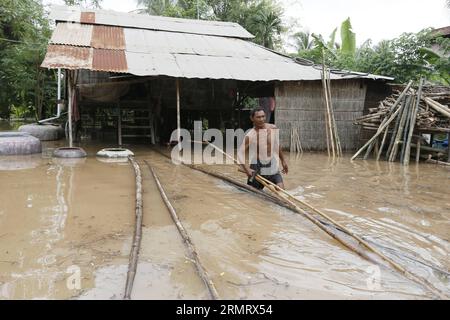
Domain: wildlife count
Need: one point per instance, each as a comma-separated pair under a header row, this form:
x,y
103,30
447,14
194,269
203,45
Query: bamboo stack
x,y
399,116
295,146
333,142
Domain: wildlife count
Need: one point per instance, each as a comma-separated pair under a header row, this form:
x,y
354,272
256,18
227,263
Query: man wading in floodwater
x,y
263,143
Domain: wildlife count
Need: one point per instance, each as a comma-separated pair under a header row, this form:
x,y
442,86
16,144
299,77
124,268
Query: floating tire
x,y
69,152
44,132
114,153
18,143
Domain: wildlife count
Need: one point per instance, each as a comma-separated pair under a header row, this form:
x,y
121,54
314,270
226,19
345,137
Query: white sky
x,y
374,19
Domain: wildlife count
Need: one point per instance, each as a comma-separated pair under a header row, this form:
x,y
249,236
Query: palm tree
x,y
265,23
303,40
155,7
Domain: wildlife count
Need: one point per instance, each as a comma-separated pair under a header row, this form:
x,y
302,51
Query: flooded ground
x,y
61,222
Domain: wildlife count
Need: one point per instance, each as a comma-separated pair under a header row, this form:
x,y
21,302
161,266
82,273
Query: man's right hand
x,y
250,173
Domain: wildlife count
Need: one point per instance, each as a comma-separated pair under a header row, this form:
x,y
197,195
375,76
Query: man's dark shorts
x,y
274,178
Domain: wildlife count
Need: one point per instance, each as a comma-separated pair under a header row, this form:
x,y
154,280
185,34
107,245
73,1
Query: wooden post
x,y
178,113
119,124
70,80
419,141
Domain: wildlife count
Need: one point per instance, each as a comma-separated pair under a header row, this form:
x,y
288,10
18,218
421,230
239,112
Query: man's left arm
x,y
280,153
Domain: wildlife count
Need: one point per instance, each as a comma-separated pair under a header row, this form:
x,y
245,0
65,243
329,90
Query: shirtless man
x,y
262,141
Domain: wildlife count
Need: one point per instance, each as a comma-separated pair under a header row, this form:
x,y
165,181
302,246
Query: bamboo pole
x,y
369,148
328,114
334,124
405,132
380,150
437,106
419,141
187,240
387,122
290,198
134,252
70,85
395,130
398,135
412,125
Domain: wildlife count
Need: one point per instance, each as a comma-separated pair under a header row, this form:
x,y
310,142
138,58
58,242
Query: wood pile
x,y
402,116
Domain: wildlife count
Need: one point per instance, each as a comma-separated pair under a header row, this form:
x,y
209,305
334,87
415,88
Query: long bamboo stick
x,y
134,252
328,114
401,126
387,122
187,240
438,107
395,129
380,150
407,126
333,119
412,125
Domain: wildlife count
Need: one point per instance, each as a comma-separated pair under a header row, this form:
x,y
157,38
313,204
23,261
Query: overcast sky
x,y
374,19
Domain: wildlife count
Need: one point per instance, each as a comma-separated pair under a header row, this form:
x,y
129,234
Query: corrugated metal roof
x,y
67,56
109,60
72,33
143,21
151,53
107,37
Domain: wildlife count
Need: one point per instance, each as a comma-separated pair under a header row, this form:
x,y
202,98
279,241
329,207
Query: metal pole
x,y
59,83
70,74
178,112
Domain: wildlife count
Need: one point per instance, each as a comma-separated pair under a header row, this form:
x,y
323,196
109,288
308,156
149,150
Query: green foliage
x,y
262,18
408,57
84,3
24,33
348,38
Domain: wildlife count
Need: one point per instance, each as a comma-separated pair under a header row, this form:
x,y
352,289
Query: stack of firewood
x,y
402,114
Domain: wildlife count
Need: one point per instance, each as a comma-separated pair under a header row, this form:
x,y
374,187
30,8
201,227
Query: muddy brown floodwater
x,y
64,219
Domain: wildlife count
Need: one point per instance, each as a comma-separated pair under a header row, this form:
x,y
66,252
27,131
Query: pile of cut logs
x,y
403,116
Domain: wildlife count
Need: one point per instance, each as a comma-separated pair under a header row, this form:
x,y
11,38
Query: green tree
x,y
264,21
262,18
24,33
84,3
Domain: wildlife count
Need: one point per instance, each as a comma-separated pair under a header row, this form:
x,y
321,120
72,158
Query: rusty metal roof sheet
x,y
143,21
109,60
68,57
107,37
73,34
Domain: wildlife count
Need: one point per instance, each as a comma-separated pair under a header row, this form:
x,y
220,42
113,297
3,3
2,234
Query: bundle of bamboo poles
x,y
333,142
398,117
295,146
431,115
